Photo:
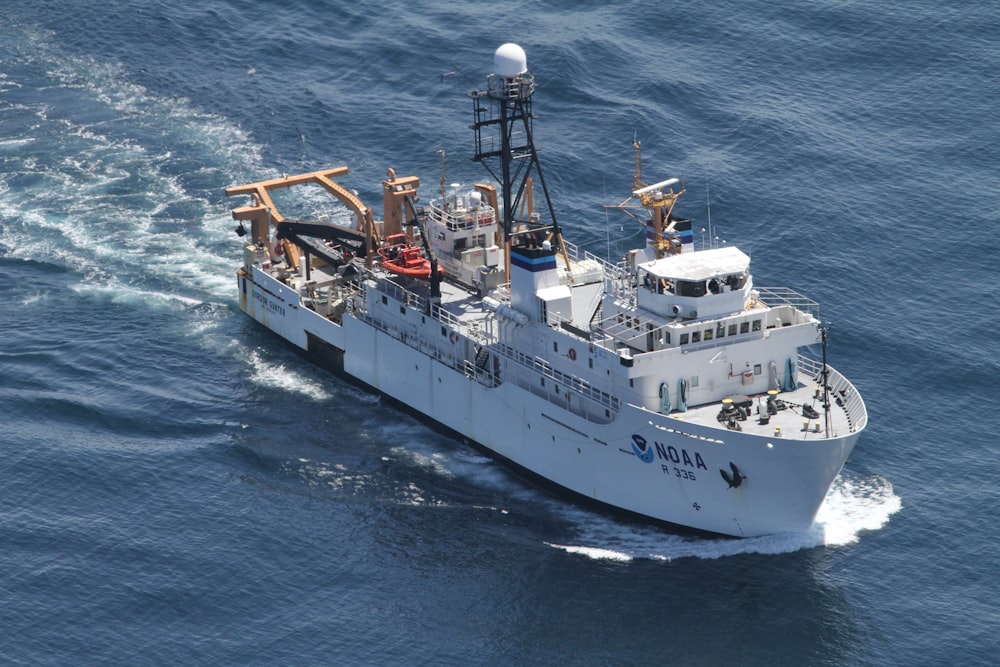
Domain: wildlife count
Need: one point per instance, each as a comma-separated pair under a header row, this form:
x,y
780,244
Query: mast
x,y
826,383
505,143
442,189
661,224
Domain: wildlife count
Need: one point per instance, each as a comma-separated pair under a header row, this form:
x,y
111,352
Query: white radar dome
x,y
509,61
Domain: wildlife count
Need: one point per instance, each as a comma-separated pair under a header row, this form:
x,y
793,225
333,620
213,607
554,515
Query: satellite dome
x,y
509,61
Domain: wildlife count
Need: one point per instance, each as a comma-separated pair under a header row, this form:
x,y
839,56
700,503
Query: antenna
x,y
607,226
708,203
824,331
636,148
443,181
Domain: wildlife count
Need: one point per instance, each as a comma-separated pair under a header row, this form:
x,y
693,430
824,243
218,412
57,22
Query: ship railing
x,y
576,253
472,330
615,276
572,250
542,368
610,270
436,352
619,282
401,294
784,296
446,318
412,299
518,87
422,344
483,376
634,331
354,292
842,392
458,220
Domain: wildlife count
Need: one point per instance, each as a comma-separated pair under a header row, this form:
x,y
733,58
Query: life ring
x,y
572,354
452,337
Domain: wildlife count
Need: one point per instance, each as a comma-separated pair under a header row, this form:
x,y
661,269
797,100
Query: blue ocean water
x,y
179,487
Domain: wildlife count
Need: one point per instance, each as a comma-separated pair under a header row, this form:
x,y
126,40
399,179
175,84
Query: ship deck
x,y
460,307
788,421
463,305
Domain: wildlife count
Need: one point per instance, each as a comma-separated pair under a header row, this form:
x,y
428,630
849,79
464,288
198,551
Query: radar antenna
x,y
659,204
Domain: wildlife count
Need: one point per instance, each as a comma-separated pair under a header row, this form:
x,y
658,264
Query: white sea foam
x,y
360,395
113,203
37,296
435,462
852,506
109,201
277,376
117,292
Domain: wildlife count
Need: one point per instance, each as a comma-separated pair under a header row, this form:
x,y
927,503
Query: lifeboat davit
x,y
401,257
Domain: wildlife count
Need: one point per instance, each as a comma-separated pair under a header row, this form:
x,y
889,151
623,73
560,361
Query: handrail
x,y
543,368
841,390
785,296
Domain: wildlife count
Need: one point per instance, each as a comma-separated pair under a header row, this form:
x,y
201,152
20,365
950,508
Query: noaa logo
x,y
642,449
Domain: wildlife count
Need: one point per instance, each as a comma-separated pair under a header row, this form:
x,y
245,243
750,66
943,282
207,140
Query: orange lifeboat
x,y
402,258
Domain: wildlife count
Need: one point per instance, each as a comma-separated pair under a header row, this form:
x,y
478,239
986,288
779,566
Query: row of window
x,y
720,331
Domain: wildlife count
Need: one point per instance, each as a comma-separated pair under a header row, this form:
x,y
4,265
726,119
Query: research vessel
x,y
667,384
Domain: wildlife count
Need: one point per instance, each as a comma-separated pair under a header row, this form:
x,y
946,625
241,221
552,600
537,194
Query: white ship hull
x,y
675,479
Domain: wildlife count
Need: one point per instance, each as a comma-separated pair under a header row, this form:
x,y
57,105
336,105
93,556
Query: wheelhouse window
x,y
691,288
